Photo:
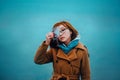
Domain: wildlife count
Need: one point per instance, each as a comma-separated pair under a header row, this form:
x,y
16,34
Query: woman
x,y
69,56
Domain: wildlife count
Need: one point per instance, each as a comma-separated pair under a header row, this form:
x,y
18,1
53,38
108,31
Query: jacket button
x,y
56,61
68,62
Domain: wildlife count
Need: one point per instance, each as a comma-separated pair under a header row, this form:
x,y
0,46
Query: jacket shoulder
x,y
82,47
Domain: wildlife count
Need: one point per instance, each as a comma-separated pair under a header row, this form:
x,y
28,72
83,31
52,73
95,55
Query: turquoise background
x,y
24,24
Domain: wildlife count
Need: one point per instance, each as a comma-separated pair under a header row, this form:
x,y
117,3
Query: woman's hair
x,y
69,26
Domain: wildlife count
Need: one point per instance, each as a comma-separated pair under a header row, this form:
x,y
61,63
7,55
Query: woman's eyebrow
x,y
62,27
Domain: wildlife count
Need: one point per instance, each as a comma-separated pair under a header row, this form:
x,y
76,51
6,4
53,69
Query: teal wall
x,y
24,24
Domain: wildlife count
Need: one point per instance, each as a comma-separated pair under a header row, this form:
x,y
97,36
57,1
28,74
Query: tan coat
x,y
71,66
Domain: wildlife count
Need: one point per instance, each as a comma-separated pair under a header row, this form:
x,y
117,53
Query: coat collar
x,y
71,55
80,46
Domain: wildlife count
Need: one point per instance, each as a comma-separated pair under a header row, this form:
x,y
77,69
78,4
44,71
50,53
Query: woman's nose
x,y
60,34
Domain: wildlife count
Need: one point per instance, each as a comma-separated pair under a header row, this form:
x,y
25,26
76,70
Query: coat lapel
x,y
62,55
71,55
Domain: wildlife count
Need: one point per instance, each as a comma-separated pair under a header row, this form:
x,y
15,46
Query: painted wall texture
x,y
24,24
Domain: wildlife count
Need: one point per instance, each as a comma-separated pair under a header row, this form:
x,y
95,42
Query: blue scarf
x,y
70,46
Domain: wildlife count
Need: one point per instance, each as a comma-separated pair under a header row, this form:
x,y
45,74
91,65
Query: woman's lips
x,y
62,38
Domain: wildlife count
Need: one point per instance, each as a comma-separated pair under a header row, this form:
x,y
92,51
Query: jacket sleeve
x,y
42,55
85,66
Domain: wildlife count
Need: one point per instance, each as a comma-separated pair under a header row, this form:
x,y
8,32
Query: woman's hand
x,y
49,36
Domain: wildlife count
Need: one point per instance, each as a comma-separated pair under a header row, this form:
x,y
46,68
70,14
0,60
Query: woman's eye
x,y
63,30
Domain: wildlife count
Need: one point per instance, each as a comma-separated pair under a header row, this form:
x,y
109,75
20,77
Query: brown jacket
x,y
70,66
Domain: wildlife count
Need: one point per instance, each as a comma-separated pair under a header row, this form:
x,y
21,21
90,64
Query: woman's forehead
x,y
61,26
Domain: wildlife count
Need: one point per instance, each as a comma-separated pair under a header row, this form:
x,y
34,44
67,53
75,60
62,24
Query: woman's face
x,y
64,34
